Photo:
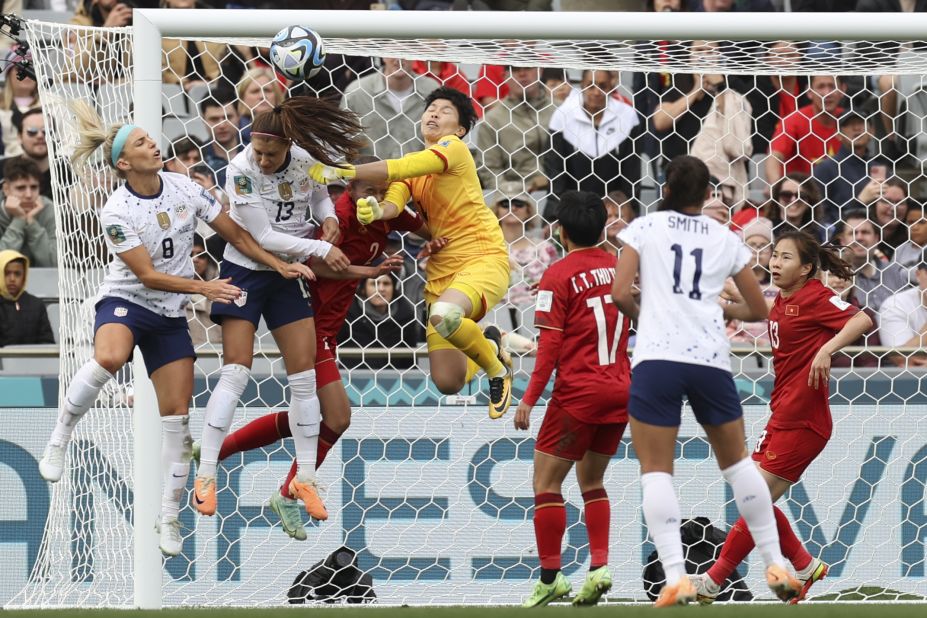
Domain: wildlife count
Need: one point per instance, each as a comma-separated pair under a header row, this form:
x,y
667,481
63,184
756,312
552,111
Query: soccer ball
x,y
297,52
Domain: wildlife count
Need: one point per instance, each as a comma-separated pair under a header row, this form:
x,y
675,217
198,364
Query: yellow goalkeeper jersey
x,y
451,202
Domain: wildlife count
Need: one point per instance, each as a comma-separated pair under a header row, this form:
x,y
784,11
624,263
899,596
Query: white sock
x,y
661,513
751,495
305,422
176,451
220,410
81,394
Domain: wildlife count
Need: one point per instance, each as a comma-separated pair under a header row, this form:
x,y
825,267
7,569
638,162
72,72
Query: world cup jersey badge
x,y
164,220
285,190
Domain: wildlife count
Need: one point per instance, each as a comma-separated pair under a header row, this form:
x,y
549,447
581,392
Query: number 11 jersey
x,y
684,262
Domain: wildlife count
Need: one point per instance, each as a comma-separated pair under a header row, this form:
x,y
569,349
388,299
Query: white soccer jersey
x,y
277,209
684,262
164,225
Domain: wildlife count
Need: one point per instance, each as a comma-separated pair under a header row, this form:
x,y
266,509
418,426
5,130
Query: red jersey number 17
x,y
607,354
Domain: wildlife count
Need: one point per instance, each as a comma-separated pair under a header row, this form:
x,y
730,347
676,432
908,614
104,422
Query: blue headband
x,y
119,142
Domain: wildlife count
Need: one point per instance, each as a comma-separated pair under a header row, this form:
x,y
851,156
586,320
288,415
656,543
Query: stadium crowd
x,y
829,155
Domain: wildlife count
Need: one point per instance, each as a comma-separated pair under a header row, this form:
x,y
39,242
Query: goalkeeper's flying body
x,y
471,273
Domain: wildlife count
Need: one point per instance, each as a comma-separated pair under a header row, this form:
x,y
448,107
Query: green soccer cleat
x,y
597,583
291,517
196,453
548,593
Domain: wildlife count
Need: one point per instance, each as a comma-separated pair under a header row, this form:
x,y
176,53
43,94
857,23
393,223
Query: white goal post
x,y
567,40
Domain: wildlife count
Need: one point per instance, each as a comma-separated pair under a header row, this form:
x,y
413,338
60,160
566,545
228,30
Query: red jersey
x,y
574,306
803,139
361,244
798,326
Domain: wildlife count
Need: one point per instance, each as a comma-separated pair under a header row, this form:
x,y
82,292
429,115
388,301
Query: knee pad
x,y
448,317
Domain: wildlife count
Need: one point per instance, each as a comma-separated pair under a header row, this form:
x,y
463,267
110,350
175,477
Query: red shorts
x,y
787,453
326,368
566,437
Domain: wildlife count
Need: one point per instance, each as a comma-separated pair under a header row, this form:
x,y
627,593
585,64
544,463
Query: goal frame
x,y
151,25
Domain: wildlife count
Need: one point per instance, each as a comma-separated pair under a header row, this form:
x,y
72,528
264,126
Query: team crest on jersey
x,y
285,190
545,300
304,184
182,212
241,300
242,185
164,220
115,233
791,310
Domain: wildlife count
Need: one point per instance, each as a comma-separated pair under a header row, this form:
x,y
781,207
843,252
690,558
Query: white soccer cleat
x,y
171,542
706,589
51,466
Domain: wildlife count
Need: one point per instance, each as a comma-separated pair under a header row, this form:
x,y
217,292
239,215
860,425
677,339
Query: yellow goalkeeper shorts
x,y
484,280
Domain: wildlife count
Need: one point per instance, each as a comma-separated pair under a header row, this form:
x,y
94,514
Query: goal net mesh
x,y
435,498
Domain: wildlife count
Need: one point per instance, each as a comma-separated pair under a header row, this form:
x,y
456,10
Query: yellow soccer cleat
x,y
815,572
500,389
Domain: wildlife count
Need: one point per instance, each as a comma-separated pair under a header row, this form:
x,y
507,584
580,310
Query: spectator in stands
x,y
853,172
724,140
848,292
18,97
23,317
513,137
793,205
808,134
758,235
390,103
202,328
908,254
30,127
182,155
621,211
732,6
556,82
529,255
27,220
680,101
220,114
258,91
380,318
774,97
888,212
490,86
96,59
593,148
191,63
445,73
903,316
877,278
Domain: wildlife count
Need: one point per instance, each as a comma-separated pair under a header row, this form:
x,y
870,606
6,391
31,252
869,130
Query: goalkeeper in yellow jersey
x,y
470,274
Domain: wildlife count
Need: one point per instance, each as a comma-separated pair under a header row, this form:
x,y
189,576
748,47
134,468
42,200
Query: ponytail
x,y
327,132
832,263
93,134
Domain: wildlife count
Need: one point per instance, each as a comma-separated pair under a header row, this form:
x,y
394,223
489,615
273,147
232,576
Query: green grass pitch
x,y
759,610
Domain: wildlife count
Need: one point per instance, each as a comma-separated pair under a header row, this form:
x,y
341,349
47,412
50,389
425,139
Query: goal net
x,y
434,497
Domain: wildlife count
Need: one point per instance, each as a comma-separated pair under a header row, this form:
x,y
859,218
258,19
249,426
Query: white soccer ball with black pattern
x,y
297,52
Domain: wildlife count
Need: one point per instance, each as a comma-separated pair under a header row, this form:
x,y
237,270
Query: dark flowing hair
x,y
326,131
821,257
687,178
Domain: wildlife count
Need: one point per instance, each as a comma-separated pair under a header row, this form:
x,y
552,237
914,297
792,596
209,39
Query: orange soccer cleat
x,y
204,495
308,492
783,585
682,593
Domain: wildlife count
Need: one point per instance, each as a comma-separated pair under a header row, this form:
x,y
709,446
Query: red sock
x,y
549,526
791,547
598,521
739,543
737,546
327,439
285,488
259,432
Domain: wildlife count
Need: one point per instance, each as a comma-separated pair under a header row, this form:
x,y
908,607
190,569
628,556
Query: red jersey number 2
x,y
607,353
